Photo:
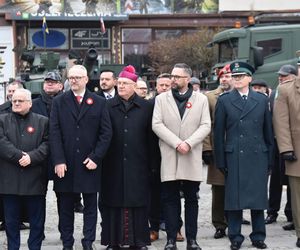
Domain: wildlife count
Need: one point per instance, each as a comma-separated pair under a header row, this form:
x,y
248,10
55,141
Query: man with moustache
x,y
287,74
126,168
80,133
286,120
181,120
214,176
243,143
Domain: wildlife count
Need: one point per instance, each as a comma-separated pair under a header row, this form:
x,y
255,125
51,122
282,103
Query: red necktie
x,y
78,98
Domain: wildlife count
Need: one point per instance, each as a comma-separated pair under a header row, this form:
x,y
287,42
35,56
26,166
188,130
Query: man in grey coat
x,y
243,142
181,120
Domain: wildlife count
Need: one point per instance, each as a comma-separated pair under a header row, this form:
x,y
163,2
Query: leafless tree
x,y
190,49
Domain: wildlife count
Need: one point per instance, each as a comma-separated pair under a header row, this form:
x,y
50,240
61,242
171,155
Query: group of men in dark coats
x,y
90,137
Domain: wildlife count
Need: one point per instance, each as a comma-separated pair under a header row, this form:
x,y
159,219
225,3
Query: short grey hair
x,y
79,67
185,67
26,92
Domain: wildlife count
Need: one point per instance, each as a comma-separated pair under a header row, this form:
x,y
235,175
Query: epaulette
x,y
262,94
224,93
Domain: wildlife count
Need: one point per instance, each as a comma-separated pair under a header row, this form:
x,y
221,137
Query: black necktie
x,y
244,99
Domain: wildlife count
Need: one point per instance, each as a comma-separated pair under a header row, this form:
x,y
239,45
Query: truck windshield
x,y
228,50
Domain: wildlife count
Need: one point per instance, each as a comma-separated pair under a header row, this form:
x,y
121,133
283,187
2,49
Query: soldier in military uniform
x,y
243,142
286,118
214,176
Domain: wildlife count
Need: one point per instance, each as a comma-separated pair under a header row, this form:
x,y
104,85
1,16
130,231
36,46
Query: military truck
x,y
265,46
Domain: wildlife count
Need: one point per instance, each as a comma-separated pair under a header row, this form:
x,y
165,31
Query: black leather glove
x,y
288,156
224,171
207,157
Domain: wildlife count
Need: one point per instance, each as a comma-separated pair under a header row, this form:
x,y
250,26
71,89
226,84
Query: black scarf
x,y
181,100
47,99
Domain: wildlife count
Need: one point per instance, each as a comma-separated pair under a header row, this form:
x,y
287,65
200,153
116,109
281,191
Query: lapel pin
x,y
89,101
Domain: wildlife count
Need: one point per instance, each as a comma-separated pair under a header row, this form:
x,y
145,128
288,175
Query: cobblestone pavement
x,y
277,238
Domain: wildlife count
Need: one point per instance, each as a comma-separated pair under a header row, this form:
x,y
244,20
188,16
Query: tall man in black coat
x,y
52,87
23,172
243,142
80,133
126,168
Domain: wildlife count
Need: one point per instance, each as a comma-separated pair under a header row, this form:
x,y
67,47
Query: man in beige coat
x,y
181,120
214,176
286,119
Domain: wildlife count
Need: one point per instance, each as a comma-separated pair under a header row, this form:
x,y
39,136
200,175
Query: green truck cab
x,y
265,46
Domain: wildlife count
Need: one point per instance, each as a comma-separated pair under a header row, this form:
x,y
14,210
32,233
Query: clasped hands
x,y
60,169
183,148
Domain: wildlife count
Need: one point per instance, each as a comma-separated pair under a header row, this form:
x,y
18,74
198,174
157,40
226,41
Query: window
x,y
228,50
270,46
165,34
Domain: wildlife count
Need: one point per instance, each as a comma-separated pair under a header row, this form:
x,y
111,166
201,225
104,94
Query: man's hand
x,y
288,156
60,170
90,164
207,157
224,171
25,160
183,148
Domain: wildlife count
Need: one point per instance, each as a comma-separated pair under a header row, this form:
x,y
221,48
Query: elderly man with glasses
x,y
126,168
23,172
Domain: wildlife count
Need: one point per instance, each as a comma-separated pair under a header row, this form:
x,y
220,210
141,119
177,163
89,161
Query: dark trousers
x,y
155,198
217,208
77,199
66,218
24,216
235,223
275,191
171,197
36,207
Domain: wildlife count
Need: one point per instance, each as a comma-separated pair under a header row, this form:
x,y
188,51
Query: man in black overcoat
x,y
80,133
23,172
6,108
126,168
243,142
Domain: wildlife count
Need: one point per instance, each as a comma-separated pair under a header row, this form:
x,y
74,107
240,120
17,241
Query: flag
x,y
102,26
44,26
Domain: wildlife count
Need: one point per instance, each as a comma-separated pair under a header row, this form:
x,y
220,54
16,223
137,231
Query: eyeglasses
x,y
124,83
176,77
238,77
75,78
19,101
